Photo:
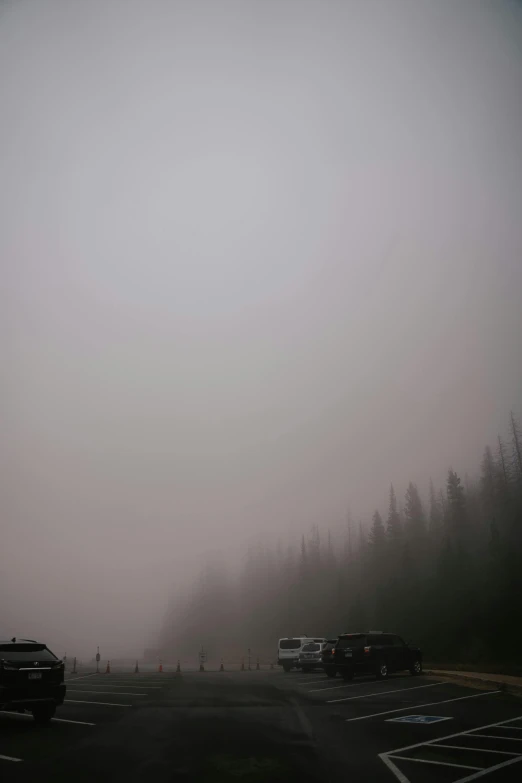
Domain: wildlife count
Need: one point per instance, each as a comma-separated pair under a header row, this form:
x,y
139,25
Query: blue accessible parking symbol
x,y
418,719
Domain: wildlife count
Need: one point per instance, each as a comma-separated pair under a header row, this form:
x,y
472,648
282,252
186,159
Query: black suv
x,y
375,653
327,657
31,678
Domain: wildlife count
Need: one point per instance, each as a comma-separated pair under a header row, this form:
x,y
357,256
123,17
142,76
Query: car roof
x,y
16,640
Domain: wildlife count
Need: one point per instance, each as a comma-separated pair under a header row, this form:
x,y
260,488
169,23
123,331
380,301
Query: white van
x,y
288,650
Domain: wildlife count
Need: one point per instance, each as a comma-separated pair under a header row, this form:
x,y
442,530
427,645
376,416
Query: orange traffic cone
x,y
160,667
178,667
222,668
136,668
108,669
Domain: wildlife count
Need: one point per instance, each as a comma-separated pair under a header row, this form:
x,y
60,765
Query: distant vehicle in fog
x,y
31,678
289,648
310,656
327,657
375,653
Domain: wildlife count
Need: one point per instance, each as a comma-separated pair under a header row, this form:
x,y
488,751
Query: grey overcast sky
x,y
259,259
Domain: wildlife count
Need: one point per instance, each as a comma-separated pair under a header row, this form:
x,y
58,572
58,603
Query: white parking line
x,y
105,703
398,754
312,682
9,758
109,693
83,677
490,769
334,687
417,706
497,736
59,720
113,685
476,750
385,693
438,763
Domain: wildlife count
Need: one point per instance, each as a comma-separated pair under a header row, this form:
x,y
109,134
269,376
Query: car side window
x,y
398,642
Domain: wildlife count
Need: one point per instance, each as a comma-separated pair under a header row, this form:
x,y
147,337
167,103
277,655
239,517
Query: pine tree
x,y
414,514
393,523
377,536
457,517
435,517
516,443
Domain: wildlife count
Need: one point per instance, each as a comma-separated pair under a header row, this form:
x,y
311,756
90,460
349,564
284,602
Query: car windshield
x,y
26,652
289,644
312,647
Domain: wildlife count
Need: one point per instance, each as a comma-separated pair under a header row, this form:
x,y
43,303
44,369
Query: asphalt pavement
x,y
267,726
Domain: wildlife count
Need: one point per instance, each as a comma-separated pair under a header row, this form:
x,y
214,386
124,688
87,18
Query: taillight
x,y
367,650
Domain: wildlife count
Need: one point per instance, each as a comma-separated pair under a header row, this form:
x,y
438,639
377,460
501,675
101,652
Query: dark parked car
x,y
327,657
375,653
31,678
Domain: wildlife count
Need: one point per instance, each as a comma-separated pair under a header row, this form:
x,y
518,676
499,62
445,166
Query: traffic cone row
x,y
108,669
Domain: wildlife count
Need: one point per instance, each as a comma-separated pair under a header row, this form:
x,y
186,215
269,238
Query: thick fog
x,y
259,260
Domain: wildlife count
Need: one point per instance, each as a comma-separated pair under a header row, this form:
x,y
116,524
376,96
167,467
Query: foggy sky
x,y
259,259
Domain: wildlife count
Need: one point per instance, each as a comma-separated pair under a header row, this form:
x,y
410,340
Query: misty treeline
x,y
445,573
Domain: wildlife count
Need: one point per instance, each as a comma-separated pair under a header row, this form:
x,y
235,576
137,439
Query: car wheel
x,y
416,667
382,670
347,674
330,672
44,713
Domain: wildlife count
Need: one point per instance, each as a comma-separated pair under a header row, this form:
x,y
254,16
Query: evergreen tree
x,y
393,523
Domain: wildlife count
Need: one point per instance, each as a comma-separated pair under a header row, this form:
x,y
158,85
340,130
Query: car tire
x,y
347,674
382,670
416,667
44,713
331,672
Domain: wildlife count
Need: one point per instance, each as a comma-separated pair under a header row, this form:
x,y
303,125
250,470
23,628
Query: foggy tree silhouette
x,y
451,582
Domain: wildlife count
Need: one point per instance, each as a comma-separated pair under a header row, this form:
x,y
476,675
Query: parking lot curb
x,y
472,679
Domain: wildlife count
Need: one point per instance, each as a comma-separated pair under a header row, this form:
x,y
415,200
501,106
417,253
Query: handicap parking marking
x,y
425,719
390,758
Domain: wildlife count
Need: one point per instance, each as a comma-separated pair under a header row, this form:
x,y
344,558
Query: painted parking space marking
x,y
426,719
108,693
9,758
55,720
384,693
104,703
428,704
403,754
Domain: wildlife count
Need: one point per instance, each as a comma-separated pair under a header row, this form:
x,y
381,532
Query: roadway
x,y
267,726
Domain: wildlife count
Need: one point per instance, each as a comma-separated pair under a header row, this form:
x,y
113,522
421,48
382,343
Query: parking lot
x,y
419,728
303,726
93,702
